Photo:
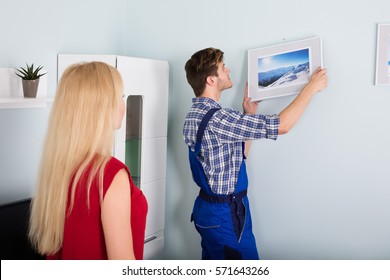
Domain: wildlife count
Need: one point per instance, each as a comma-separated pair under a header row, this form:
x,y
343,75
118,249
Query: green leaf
x,y
29,73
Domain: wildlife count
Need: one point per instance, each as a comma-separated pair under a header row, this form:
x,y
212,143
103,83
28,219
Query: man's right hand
x,y
248,106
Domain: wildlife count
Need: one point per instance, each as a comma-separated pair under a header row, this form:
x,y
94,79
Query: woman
x,y
86,205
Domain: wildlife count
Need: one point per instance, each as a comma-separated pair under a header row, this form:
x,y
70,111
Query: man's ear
x,y
210,80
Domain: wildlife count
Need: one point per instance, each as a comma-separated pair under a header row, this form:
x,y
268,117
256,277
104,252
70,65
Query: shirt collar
x,y
207,101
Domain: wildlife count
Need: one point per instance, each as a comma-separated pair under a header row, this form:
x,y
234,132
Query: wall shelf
x,y
11,92
21,102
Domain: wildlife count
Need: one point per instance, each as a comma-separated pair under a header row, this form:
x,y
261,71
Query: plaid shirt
x,y
221,152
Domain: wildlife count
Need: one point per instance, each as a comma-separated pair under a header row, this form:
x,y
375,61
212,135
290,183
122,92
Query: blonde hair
x,y
80,134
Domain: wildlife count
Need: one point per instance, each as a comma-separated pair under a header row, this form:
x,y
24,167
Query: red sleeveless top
x,y
83,233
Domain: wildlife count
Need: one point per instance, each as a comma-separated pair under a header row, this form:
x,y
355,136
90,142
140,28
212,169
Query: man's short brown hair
x,y
202,64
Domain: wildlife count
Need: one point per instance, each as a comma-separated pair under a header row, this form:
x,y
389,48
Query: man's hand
x,y
248,106
318,81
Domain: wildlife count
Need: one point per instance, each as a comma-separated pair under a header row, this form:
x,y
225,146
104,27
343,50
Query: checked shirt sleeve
x,y
233,126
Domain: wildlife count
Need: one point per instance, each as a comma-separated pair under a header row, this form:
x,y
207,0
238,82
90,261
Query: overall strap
x,y
202,126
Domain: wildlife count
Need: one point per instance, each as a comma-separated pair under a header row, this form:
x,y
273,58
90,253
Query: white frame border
x,y
314,45
382,74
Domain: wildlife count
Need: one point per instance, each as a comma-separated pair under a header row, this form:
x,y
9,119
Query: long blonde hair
x,y
80,134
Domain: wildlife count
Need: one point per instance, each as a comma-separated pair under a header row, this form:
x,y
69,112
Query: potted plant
x,y
30,79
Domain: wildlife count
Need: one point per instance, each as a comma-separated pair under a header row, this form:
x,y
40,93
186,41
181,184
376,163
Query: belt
x,y
222,198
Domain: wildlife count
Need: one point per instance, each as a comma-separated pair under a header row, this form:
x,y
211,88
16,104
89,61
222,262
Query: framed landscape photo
x,y
283,69
382,76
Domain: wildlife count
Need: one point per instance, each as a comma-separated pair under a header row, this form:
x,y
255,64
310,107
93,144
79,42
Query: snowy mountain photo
x,y
283,69
282,76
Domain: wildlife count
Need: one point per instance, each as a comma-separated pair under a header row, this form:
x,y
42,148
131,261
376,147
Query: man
x,y
216,139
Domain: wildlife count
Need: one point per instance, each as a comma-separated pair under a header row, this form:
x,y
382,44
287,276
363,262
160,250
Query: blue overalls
x,y
223,221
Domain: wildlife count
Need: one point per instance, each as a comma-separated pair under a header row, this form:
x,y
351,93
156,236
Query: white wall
x,y
319,192
35,32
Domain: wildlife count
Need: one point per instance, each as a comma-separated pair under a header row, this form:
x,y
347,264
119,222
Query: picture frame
x,y
283,69
382,73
